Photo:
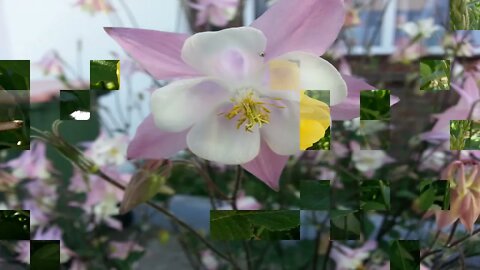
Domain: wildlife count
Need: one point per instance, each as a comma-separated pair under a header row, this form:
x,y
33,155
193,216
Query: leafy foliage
x,y
464,135
374,195
315,195
45,255
345,224
464,15
434,192
15,74
434,75
375,105
265,225
105,74
405,255
14,105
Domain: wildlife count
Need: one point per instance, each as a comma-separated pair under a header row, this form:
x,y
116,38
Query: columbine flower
x,y
51,64
407,51
464,180
215,12
31,164
347,258
228,112
94,6
106,150
423,28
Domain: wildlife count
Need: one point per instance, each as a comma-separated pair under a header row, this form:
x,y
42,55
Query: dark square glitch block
x,y
75,105
14,225
434,74
105,74
14,75
15,119
375,105
44,254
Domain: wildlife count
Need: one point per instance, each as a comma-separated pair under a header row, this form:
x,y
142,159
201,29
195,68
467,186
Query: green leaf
x,y
278,220
15,74
105,74
315,195
46,257
404,255
226,225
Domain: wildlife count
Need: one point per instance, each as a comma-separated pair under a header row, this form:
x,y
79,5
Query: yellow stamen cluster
x,y
251,112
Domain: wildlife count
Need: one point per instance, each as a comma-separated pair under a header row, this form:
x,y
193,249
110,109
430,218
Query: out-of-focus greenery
x,y
464,135
14,225
15,74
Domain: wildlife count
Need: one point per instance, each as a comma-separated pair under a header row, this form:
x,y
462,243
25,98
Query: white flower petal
x,y
231,54
282,134
318,74
217,139
180,104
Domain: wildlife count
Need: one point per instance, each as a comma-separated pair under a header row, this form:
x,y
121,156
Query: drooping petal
x,y
176,106
267,166
151,143
158,52
350,107
218,139
282,132
310,26
231,54
318,74
469,211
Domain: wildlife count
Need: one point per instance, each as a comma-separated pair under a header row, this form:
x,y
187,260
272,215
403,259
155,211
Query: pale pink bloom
x,y
94,6
215,12
108,150
244,202
347,258
208,260
121,250
102,197
51,64
406,51
31,164
464,179
460,43
469,95
310,29
51,233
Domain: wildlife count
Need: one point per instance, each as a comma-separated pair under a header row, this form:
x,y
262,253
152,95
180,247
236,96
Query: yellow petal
x,y
314,121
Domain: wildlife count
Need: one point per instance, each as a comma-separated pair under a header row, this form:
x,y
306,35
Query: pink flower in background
x,y
460,44
368,161
469,95
51,233
215,12
108,150
102,198
51,64
244,202
94,6
464,181
208,260
310,30
121,250
32,164
407,51
347,258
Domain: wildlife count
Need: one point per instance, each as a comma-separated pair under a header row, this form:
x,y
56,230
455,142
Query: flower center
x,y
249,109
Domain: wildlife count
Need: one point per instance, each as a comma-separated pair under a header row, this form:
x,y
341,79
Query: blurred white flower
x,y
209,261
423,28
433,160
347,258
106,150
367,161
121,250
